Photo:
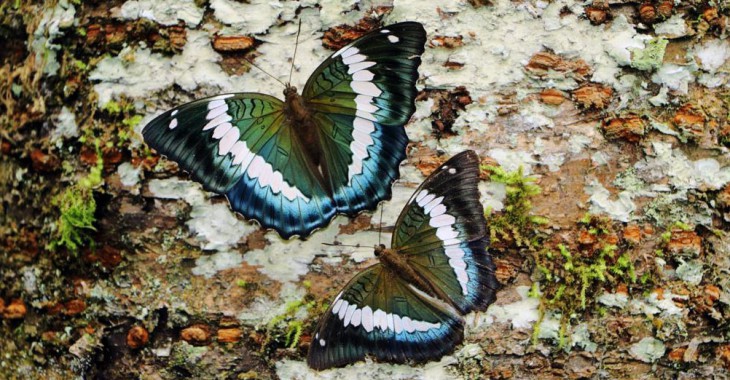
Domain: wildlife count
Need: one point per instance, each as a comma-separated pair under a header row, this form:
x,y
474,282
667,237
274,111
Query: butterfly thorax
x,y
295,109
398,263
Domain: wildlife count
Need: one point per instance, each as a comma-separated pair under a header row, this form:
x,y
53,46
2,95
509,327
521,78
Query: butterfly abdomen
x,y
398,264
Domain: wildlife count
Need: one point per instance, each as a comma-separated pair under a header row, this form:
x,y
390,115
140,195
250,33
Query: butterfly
x,y
293,165
408,306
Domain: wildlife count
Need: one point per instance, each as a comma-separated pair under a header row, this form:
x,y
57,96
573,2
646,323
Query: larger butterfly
x,y
293,165
408,306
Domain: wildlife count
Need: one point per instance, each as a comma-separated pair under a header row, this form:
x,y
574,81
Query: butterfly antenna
x,y
296,45
263,71
343,245
380,226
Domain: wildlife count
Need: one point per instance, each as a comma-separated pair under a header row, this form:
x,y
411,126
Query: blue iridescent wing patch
x,y
441,235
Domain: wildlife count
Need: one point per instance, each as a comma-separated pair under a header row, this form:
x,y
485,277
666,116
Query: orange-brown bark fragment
x,y
232,43
197,335
229,335
630,128
593,95
552,96
15,310
684,242
137,337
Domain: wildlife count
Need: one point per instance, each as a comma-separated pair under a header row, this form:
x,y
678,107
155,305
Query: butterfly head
x,y
290,91
379,249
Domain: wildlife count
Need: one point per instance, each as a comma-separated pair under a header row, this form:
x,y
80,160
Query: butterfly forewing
x,y
442,231
189,135
364,94
376,75
241,145
379,315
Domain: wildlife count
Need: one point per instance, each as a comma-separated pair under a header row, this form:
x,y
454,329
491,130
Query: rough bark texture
x,y
603,129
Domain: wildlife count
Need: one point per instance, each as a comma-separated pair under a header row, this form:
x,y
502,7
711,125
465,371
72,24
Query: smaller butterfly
x,y
408,307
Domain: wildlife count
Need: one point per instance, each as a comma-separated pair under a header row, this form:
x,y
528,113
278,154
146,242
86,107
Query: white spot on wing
x,y
223,118
343,309
365,88
365,115
397,324
367,318
346,52
238,150
446,233
221,130
217,103
385,31
408,325
430,205
243,156
454,252
363,75
215,112
426,199
348,314
227,141
363,103
393,39
173,124
352,69
380,319
353,59
356,315
336,308
442,220
438,211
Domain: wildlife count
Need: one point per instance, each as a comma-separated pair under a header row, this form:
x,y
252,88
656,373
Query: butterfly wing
x,y
241,145
442,231
362,96
380,315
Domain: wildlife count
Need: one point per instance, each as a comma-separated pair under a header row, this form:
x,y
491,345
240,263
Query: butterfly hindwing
x,y
366,91
379,315
370,179
241,145
442,231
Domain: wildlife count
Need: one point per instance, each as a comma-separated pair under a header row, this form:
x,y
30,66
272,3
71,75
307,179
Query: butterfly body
x,y
293,165
396,264
409,306
299,116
